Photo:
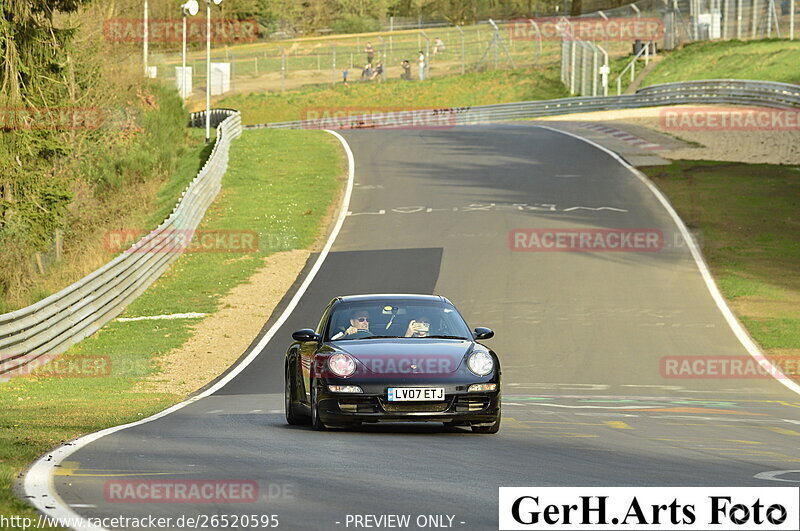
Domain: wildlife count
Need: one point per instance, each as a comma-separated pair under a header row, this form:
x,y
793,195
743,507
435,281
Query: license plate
x,y
415,394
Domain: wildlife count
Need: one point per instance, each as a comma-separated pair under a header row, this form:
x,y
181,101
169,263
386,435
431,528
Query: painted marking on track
x,y
514,424
189,315
570,209
73,469
83,505
486,207
568,435
617,424
378,213
214,411
700,410
567,422
784,431
626,408
772,475
254,411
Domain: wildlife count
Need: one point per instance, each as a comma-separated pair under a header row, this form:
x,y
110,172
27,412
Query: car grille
x,y
471,403
358,405
415,407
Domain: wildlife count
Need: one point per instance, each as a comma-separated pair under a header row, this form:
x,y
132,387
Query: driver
x,y
359,325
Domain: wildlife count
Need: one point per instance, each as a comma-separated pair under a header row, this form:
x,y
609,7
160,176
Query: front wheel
x,y
491,428
316,423
293,417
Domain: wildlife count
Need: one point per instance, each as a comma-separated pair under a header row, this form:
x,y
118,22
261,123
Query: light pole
x,y
189,8
208,68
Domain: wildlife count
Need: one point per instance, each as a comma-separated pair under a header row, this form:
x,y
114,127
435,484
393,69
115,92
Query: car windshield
x,y
395,318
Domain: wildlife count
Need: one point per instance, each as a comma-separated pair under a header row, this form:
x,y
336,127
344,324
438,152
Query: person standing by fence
x,y
421,61
370,51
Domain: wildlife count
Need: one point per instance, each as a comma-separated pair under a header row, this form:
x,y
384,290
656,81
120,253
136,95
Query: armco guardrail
x,y
52,325
716,91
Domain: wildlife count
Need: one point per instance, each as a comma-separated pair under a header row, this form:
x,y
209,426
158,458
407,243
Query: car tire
x,y
293,415
316,423
492,428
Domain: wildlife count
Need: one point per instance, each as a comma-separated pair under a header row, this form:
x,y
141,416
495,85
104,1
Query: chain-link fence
x,y
282,65
673,22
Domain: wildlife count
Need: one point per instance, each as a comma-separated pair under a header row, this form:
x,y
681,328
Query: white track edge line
x,y
38,483
739,331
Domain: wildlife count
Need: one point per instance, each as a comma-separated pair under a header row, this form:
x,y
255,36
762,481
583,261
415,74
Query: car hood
x,y
406,355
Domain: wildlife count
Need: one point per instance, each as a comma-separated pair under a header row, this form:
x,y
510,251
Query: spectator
x,y
406,70
367,72
438,46
370,51
421,61
344,76
378,73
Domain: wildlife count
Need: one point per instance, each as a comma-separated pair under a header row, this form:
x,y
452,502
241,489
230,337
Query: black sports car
x,y
392,358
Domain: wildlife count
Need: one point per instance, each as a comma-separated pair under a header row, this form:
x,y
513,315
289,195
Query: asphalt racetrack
x,y
582,336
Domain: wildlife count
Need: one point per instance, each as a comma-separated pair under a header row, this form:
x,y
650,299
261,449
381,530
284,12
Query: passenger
x,y
419,327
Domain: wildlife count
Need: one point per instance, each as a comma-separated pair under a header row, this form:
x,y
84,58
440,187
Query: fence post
x,y
791,20
594,72
739,19
283,70
333,66
463,55
754,8
572,67
769,18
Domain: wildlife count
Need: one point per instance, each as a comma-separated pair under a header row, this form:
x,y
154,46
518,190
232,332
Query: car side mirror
x,y
483,333
306,334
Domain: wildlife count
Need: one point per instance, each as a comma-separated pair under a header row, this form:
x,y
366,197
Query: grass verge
x,y
748,219
276,186
766,60
480,88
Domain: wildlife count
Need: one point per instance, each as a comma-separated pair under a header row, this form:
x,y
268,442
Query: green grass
x,y
187,166
275,185
480,88
748,220
767,60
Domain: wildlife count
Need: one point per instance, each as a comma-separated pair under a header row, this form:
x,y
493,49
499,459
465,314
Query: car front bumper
x,y
458,406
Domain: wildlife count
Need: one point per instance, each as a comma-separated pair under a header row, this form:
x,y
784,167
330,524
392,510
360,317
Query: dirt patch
x,y
752,147
219,339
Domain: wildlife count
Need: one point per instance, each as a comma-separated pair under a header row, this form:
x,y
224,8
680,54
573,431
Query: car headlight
x,y
480,362
342,365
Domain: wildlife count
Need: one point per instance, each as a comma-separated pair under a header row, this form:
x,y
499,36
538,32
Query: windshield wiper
x,y
371,337
447,337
